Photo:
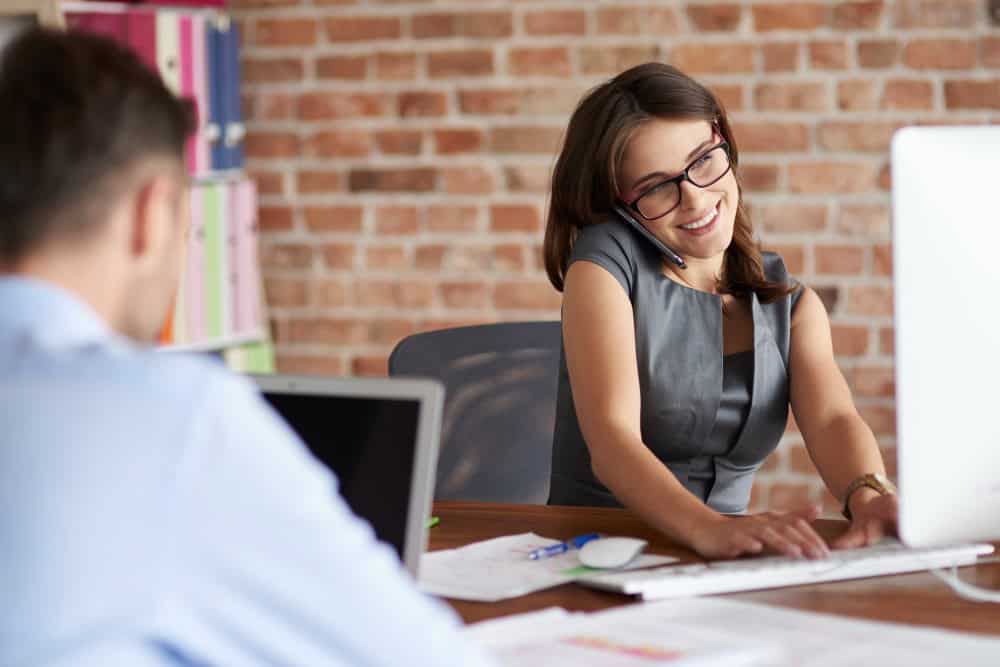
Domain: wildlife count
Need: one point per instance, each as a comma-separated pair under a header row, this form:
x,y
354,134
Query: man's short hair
x,y
77,111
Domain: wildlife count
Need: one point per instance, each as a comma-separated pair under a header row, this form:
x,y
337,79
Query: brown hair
x,y
585,179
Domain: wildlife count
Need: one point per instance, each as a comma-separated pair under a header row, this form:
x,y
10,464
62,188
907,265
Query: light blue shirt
x,y
154,511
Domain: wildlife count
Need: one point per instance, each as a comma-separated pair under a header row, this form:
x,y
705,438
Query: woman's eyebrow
x,y
689,157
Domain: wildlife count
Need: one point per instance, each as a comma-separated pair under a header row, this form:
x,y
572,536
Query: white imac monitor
x,y
946,252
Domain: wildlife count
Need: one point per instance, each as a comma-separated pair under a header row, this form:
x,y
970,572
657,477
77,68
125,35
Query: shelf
x,y
216,344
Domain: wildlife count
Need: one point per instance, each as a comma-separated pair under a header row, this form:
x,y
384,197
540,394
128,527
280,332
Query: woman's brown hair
x,y
585,179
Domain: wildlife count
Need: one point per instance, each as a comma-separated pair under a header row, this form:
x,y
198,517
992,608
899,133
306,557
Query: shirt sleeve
x,y
273,568
607,244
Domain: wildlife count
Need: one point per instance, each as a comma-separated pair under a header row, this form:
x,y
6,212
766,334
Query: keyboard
x,y
889,557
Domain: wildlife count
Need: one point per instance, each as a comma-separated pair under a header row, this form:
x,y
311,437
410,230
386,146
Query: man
x,y
153,511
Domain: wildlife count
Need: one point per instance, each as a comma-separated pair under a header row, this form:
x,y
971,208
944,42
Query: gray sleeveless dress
x,y
711,419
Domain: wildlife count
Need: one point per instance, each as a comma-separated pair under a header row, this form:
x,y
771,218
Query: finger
x,y
874,531
774,539
809,539
743,543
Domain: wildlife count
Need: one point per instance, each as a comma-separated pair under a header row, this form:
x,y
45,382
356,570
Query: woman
x,y
683,343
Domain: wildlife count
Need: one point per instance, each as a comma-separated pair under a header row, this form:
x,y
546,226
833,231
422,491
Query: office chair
x,y
500,401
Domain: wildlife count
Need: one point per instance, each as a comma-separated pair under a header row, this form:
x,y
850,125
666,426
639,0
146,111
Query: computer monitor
x,y
380,437
946,236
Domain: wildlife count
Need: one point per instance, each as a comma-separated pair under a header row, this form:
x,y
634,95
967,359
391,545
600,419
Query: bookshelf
x,y
219,306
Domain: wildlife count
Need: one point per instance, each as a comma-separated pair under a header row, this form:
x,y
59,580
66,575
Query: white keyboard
x,y
775,572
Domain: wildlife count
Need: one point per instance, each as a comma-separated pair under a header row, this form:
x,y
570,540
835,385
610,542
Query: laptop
x,y
946,236
380,437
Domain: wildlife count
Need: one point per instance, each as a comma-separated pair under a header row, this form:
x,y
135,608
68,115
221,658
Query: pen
x,y
562,547
433,521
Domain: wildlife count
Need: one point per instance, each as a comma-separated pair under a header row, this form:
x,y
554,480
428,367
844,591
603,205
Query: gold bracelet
x,y
871,480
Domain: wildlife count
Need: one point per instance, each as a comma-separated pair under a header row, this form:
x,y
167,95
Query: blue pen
x,y
562,547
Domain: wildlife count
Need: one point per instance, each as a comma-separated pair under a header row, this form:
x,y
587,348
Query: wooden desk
x,y
919,599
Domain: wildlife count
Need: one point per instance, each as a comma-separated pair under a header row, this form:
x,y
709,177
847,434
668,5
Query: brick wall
x,y
403,151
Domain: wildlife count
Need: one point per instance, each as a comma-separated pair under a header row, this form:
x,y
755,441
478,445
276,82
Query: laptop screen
x,y
369,444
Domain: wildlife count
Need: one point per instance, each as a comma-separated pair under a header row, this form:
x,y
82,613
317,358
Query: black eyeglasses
x,y
663,197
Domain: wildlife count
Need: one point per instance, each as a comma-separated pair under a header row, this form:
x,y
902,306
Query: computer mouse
x,y
611,552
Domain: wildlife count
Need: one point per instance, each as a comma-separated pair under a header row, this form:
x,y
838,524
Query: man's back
x,y
155,512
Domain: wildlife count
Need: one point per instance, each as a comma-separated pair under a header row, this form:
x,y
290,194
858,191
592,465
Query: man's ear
x,y
152,218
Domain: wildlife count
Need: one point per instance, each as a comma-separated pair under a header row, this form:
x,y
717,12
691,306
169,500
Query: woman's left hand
x,y
873,517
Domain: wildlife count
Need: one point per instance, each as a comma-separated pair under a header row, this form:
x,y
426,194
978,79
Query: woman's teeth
x,y
698,224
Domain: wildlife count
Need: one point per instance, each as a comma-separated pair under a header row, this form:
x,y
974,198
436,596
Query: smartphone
x,y
627,218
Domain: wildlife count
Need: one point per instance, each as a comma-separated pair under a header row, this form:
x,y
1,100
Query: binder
x,y
215,56
142,36
234,132
194,86
113,24
216,264
246,286
194,281
168,49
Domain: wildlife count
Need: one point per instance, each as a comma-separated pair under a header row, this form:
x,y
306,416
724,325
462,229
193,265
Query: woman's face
x,y
701,225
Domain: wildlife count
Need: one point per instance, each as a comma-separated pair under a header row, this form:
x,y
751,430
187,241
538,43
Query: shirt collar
x,y
49,314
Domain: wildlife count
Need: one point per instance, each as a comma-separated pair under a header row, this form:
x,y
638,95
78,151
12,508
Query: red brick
x,y
472,180
508,257
339,143
385,257
335,106
940,54
452,218
857,95
759,177
362,28
503,101
989,51
793,255
286,292
269,106
772,137
370,365
514,218
858,15
468,258
268,182
380,293
434,26
471,24
446,64
860,136
333,218
874,381
286,255
390,331
551,100
839,260
313,182
882,260
430,257
908,95
458,140
797,96
465,294
789,496
887,341
337,256
271,70
849,341
518,139
327,331
548,61
263,145
391,66
412,179
937,13
713,58
318,364
881,418
791,218
556,22
528,178
828,55
715,17
877,53
730,96
285,32
262,4
870,300
870,220
275,218
399,142
780,56
342,67
530,295
634,20
788,16
968,94
420,103
396,220
820,177
614,59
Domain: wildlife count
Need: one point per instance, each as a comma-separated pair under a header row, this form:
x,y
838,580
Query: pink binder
x,y
194,281
142,36
246,293
194,86
111,24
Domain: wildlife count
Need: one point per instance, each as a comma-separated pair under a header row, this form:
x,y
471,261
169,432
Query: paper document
x,y
709,631
498,569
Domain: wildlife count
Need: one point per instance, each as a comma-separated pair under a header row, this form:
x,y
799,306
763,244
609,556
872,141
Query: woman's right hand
x,y
786,533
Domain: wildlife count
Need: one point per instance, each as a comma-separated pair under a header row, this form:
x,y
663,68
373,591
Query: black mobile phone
x,y
627,218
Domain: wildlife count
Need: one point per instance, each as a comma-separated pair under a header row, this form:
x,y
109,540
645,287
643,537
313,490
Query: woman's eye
x,y
703,160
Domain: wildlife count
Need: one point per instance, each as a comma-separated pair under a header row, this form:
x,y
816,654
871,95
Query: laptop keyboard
x,y
778,571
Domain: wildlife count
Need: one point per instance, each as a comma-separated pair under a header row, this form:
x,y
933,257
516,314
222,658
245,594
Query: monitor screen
x,y
369,444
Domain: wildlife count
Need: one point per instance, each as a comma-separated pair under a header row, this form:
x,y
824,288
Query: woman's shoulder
x,y
774,266
610,245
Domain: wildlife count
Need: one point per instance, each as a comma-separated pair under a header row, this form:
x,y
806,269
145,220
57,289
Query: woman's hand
x,y
789,533
873,516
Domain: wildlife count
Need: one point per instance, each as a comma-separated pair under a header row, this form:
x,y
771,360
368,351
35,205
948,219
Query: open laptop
x,y
380,437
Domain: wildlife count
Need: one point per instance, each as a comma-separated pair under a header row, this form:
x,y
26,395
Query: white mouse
x,y
611,552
